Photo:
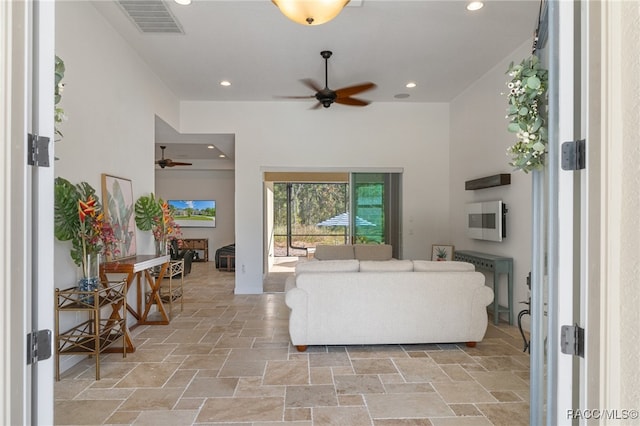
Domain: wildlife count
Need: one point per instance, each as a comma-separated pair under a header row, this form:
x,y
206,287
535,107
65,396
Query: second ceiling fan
x,y
326,96
168,162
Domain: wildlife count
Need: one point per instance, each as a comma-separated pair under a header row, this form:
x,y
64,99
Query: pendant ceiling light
x,y
310,12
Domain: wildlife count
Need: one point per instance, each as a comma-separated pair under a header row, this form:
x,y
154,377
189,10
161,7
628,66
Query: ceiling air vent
x,y
151,16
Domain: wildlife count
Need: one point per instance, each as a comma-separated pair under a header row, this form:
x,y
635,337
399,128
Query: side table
x,y
498,265
231,261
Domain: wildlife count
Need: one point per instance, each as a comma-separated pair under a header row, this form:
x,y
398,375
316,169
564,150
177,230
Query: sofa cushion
x,y
373,251
346,265
386,265
435,266
327,252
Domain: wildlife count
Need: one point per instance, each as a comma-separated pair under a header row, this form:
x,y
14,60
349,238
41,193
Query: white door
x,y
561,236
589,208
26,233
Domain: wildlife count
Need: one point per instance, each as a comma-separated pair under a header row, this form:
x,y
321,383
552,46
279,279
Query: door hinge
x,y
38,150
572,340
574,155
38,346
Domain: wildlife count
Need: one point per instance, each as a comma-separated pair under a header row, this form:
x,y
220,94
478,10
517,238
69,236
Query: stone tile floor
x,y
226,359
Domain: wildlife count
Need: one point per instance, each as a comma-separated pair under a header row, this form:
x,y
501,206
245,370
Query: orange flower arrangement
x,y
79,218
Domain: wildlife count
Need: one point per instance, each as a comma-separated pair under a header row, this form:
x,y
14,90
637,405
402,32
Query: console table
x,y
201,244
498,265
139,267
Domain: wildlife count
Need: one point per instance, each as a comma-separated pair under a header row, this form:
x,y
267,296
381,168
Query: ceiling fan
x,y
168,162
327,96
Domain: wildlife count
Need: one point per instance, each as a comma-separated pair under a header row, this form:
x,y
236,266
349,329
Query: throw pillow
x,y
327,252
373,251
347,265
386,266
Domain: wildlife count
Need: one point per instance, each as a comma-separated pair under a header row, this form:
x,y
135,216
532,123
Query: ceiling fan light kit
x,y
310,12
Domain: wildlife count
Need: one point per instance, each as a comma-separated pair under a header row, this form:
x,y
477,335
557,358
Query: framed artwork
x,y
194,213
118,205
441,252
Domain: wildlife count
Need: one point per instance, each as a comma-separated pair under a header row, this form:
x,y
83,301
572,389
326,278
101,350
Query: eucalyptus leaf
x,y
533,82
536,124
513,127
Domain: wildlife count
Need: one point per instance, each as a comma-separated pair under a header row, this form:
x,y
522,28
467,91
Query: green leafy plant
x,y
148,210
527,100
153,214
78,218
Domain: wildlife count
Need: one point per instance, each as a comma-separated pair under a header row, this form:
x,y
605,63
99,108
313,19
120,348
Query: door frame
x,y
605,382
26,225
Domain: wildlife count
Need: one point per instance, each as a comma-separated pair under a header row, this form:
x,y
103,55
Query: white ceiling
x,y
437,44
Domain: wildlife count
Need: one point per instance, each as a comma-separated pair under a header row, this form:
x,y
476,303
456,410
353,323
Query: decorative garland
x,y
58,113
527,97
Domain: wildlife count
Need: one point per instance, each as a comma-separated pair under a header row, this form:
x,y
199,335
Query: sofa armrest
x,y
482,296
290,283
297,300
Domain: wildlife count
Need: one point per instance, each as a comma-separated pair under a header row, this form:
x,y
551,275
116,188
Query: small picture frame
x,y
441,252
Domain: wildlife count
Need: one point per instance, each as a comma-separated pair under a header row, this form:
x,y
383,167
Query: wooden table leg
x,y
154,296
127,343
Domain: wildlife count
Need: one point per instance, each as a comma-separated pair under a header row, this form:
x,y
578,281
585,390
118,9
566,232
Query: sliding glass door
x,y
375,207
333,208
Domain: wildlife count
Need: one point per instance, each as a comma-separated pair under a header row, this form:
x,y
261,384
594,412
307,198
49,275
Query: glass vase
x,y
161,246
90,277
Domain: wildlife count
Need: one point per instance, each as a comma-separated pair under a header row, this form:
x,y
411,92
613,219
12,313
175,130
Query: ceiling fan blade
x,y
352,90
167,162
311,84
351,101
296,97
316,106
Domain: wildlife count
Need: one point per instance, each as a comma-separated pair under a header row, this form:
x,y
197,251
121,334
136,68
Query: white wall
x,y
218,185
479,140
111,98
629,246
276,135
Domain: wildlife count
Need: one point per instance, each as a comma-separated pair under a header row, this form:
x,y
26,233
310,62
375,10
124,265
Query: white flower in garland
x,y
527,96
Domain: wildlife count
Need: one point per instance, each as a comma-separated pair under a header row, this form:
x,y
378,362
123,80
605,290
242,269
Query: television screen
x,y
194,213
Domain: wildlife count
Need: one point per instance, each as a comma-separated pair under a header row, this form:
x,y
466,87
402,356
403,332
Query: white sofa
x,y
351,302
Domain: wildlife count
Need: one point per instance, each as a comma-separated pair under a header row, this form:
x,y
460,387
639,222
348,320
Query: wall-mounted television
x,y
487,221
194,213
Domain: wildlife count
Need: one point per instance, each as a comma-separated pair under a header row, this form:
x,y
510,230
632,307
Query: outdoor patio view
x,y
308,214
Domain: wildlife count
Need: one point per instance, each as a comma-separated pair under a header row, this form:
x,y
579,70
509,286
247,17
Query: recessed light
x,y
475,5
211,147
410,85
222,156
183,2
401,96
225,83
